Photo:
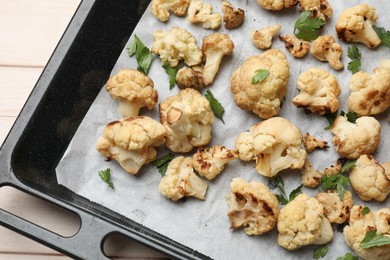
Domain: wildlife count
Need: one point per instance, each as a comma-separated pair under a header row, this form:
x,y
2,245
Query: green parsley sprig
x,y
142,54
307,27
105,175
384,35
365,210
320,251
331,117
215,105
282,197
163,162
338,181
355,56
171,72
348,256
260,75
372,239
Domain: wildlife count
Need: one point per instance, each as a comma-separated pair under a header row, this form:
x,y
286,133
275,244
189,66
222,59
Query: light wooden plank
x,y
5,125
18,256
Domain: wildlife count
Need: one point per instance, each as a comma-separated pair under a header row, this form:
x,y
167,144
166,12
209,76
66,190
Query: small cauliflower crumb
x,y
325,48
161,8
232,18
310,176
262,38
189,78
311,143
336,210
200,12
297,47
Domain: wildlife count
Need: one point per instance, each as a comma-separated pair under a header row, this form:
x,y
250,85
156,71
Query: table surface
x,y
29,31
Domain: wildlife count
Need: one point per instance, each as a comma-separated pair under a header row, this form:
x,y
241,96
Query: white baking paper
x,y
204,225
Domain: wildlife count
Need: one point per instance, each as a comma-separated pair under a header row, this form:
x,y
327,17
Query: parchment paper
x,y
204,225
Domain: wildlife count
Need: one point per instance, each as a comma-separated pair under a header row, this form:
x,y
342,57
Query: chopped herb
x,y
171,73
337,181
372,239
365,210
105,175
142,54
355,56
320,251
163,162
282,198
308,26
348,256
215,105
347,166
330,117
351,116
260,75
384,35
132,48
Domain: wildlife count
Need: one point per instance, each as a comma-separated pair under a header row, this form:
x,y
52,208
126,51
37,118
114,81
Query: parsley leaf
x,y
142,54
308,26
337,181
330,117
163,162
105,176
347,166
215,105
282,197
372,239
365,210
260,76
320,251
384,35
355,56
171,73
348,256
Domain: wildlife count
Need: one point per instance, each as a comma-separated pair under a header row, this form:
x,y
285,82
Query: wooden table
x,y
29,32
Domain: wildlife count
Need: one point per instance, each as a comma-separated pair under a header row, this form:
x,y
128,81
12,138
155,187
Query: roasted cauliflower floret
x,y
325,48
262,98
200,12
355,24
302,222
161,8
320,8
131,141
319,91
275,144
187,118
252,206
354,139
360,224
175,45
369,179
336,210
310,176
214,47
311,143
133,90
297,47
232,18
276,5
334,169
370,94
180,181
209,162
189,78
262,38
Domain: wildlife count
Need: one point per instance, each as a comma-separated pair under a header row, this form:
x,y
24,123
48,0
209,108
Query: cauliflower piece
x,y
180,181
369,179
310,177
209,162
175,45
161,8
334,169
360,224
262,38
187,118
200,12
355,24
131,141
325,48
214,47
320,8
189,78
311,143
297,47
133,90
252,206
233,18
370,94
352,140
276,5
275,144
336,210
263,98
302,222
319,91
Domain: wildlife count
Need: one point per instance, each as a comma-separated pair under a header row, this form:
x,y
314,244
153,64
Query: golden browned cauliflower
x,y
336,210
190,78
276,5
355,24
297,47
275,144
232,18
133,90
252,206
161,8
200,12
360,224
131,141
180,181
369,179
370,94
187,118
310,176
325,48
262,98
214,47
311,143
175,45
334,169
209,162
319,91
302,222
262,38
354,139
320,8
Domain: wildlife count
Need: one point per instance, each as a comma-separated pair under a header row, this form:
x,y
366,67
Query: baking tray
x,y
79,67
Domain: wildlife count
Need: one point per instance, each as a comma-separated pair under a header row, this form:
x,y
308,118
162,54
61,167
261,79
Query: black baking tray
x,y
78,69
